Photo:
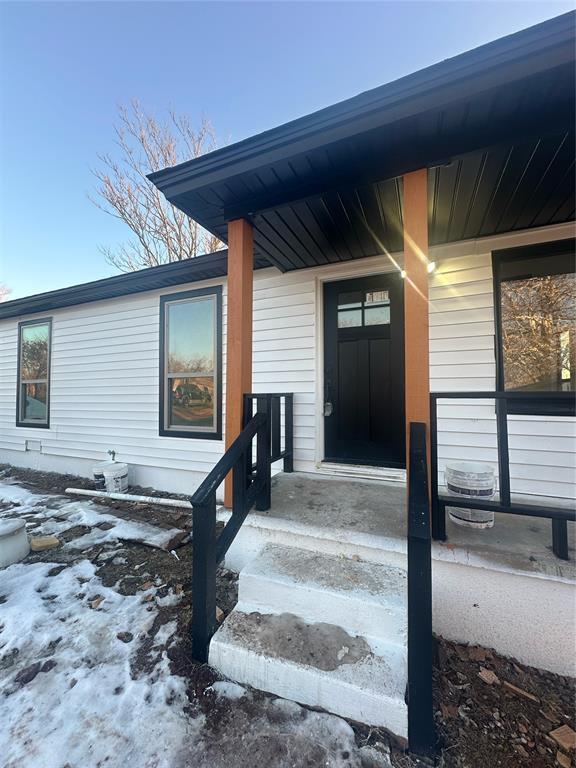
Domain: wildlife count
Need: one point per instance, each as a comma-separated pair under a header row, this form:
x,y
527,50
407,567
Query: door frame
x,y
378,265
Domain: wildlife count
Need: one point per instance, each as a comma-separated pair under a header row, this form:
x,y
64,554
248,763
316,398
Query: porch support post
x,y
239,331
416,346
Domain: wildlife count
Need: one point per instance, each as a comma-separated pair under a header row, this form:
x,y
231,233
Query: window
x,y
191,364
361,308
33,394
535,292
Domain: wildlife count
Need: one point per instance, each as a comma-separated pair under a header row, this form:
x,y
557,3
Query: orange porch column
x,y
239,331
416,345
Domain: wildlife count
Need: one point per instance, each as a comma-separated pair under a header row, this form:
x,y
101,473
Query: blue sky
x,y
64,68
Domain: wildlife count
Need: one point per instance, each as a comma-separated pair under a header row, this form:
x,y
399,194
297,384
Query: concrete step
x,y
260,529
317,664
364,598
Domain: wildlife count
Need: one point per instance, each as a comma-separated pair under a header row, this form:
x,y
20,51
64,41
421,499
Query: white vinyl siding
x,y
105,374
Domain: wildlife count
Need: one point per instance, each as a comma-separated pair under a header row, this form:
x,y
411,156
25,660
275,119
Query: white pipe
x,y
129,497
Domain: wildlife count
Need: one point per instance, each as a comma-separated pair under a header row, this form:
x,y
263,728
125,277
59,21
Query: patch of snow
x,y
170,599
17,495
229,690
89,707
76,513
165,632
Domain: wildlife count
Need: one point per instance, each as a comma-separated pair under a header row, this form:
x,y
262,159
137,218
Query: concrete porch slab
x,y
371,514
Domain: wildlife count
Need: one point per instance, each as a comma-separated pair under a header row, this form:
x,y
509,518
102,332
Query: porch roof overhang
x,y
495,127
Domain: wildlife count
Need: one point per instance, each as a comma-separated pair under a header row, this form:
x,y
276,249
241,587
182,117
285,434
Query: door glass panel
x,y
350,318
350,300
377,315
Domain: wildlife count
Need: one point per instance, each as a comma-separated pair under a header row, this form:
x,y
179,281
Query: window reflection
x,y
190,370
539,332
34,352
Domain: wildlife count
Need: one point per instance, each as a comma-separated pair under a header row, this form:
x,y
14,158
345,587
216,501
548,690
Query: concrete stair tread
x,y
318,664
385,585
364,598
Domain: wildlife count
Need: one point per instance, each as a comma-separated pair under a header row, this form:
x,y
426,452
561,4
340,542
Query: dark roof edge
x,y
206,267
549,37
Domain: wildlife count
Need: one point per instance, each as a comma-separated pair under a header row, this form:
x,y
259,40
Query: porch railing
x,y
251,487
559,516
272,404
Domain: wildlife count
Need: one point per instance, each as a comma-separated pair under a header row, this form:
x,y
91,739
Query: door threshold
x,y
363,472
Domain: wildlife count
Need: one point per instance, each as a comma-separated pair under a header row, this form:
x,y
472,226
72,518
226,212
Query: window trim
x,y
559,249
35,424
192,433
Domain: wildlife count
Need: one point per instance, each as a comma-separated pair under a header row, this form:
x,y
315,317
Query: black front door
x,y
364,371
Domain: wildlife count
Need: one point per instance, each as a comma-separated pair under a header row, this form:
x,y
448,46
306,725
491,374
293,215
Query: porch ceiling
x,y
494,126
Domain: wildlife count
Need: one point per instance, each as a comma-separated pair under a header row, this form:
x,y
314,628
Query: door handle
x,y
328,409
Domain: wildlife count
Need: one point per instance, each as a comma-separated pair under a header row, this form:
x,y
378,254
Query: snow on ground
x,y
41,509
83,705
85,678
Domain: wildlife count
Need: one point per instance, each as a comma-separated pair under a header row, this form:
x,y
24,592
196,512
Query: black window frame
x,y
507,265
34,424
193,434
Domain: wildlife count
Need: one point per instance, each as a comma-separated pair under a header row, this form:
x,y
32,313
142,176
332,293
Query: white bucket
x,y
98,473
116,477
470,481
14,544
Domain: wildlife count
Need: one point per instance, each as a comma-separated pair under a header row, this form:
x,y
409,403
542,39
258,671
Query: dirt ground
x,y
491,711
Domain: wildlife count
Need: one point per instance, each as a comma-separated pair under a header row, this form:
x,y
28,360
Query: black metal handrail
x,y
272,403
421,727
249,488
559,516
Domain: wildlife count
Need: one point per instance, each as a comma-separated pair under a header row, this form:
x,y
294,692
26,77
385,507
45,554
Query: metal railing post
x,y
421,727
289,433
248,410
240,479
503,451
263,462
203,577
560,538
275,426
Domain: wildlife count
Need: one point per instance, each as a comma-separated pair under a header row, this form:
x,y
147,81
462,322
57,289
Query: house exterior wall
x,y
104,395
105,371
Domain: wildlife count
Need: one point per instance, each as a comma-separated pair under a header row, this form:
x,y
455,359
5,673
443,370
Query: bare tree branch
x,y
161,233
4,292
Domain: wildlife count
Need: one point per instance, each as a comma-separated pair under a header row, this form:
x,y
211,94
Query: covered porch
x,y
362,196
